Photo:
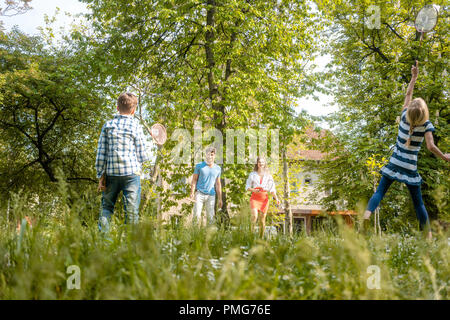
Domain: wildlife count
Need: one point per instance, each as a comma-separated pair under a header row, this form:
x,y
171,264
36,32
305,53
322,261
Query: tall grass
x,y
154,261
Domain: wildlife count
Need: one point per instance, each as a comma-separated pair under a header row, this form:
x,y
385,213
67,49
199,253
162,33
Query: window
x,y
308,180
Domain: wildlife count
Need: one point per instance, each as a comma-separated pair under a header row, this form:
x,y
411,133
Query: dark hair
x,y
127,102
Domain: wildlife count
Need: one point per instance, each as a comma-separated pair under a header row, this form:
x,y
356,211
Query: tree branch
x,y
81,178
393,30
55,118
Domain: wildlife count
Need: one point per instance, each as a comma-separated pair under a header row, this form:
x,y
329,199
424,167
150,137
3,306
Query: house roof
x,y
307,155
303,151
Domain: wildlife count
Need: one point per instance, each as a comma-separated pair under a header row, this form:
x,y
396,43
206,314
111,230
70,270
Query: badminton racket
x,y
157,131
426,21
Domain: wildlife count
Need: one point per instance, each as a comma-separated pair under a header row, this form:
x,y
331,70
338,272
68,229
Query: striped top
x,y
402,165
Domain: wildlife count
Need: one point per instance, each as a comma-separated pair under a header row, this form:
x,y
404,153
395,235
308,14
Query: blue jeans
x,y
131,187
416,195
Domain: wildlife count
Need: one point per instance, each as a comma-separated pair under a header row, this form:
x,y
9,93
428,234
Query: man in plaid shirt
x,y
122,148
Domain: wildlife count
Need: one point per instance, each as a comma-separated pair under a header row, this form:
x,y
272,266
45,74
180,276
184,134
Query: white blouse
x,y
253,181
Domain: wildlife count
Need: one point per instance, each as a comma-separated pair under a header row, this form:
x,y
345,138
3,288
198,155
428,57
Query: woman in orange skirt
x,y
260,182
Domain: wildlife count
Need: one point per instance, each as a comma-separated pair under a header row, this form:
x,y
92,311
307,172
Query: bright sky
x,y
321,107
34,18
30,21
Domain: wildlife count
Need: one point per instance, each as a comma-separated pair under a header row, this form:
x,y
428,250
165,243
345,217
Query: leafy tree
x,y
50,114
227,64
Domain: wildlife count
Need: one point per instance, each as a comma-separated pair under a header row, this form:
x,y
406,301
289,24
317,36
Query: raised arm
x,y
432,147
409,91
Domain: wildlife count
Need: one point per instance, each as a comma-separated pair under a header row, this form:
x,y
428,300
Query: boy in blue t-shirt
x,y
205,184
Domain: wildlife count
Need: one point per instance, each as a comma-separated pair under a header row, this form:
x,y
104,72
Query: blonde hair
x,y
416,114
127,102
256,164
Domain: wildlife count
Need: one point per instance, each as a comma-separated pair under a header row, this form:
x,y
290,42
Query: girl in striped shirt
x,y
413,128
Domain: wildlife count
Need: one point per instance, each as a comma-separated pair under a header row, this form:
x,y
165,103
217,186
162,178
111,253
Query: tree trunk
x,y
214,96
287,205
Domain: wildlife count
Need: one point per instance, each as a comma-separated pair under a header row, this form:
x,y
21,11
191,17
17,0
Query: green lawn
x,y
151,261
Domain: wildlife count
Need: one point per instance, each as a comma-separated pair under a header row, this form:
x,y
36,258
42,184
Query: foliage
x,y
174,262
227,64
368,76
50,115
374,165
